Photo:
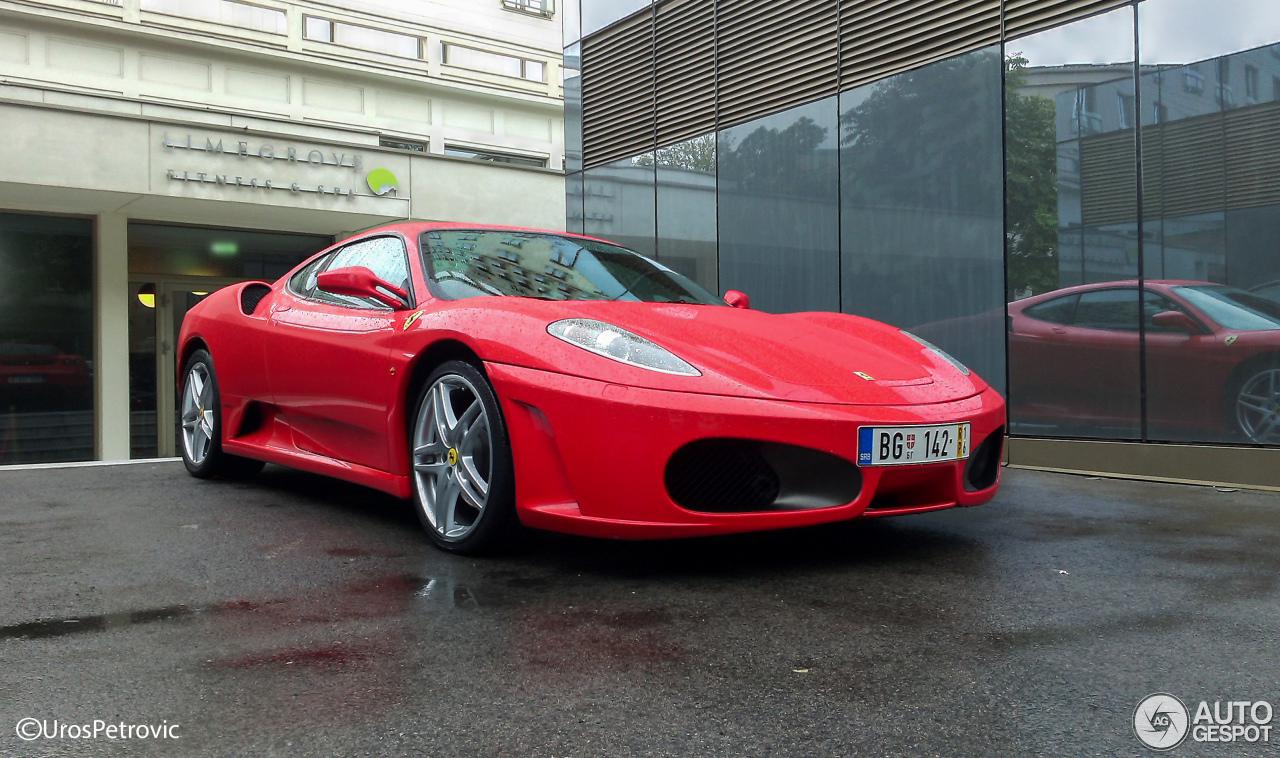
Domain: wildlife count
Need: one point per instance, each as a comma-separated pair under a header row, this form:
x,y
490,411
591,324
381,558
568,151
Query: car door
x,y
1102,360
328,357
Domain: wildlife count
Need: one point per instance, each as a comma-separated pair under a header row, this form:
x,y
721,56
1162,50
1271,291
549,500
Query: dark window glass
x,y
619,203
304,282
1072,218
1060,310
921,206
386,257
1211,216
778,184
686,189
573,190
526,264
46,339
227,253
491,157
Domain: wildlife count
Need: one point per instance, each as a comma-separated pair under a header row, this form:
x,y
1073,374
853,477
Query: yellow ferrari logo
x,y
408,322
453,456
865,375
1231,338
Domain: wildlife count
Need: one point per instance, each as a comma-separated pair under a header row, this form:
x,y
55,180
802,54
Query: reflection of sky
x,y
1171,32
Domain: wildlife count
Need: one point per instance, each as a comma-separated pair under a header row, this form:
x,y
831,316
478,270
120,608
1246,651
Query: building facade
x,y
155,150
1081,200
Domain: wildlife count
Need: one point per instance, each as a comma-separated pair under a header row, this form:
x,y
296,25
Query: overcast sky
x,y
1171,31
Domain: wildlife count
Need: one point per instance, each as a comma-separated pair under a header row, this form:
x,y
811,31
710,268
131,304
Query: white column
x,y
111,337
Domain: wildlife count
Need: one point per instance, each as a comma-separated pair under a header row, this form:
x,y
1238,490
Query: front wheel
x,y
464,481
200,437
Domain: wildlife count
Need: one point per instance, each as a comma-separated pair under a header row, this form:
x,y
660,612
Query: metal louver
x,y
1108,179
879,38
617,91
771,56
1252,156
686,75
1030,16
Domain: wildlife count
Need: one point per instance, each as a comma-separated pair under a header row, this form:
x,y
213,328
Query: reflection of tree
x,y
787,162
1031,185
926,138
697,154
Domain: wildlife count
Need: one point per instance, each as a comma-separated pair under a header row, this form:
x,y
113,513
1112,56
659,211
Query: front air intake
x,y
983,468
725,475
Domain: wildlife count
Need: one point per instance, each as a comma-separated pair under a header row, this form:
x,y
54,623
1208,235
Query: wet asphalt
x,y
299,616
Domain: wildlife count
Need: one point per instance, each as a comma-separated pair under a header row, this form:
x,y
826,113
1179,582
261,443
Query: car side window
x,y
1155,303
386,257
1060,310
1111,309
304,282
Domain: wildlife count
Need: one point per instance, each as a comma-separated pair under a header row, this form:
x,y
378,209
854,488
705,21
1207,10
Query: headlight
x,y
939,352
614,342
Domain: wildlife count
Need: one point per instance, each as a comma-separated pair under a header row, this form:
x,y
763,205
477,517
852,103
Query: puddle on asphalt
x,y
401,586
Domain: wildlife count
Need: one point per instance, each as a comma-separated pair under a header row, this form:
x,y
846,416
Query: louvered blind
x,y
1030,16
1182,165
686,73
1108,179
617,91
879,38
1253,156
773,55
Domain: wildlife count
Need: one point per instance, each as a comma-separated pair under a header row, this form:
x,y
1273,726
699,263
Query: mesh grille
x,y
721,476
251,296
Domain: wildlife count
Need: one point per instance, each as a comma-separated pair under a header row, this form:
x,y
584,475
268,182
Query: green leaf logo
x,y
382,182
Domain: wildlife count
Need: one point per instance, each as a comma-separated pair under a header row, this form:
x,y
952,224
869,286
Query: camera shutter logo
x,y
1160,721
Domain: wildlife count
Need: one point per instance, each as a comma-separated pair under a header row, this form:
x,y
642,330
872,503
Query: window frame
x,y
332,255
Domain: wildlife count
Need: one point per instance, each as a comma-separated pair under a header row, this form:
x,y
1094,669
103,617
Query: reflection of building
x,y
861,163
154,150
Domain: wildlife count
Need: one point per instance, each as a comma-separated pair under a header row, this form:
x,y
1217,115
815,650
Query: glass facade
x,y
46,339
1089,215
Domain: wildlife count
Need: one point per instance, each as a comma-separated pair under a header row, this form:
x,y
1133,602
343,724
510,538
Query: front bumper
x,y
590,456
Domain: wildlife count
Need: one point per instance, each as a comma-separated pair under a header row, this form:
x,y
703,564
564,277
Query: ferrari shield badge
x,y
408,322
1231,338
865,375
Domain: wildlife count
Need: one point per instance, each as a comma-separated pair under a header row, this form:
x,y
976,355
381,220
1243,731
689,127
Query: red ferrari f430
x,y
501,376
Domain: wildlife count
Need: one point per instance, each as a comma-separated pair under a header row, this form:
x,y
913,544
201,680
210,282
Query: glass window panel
x,y
571,18
1072,212
46,339
143,441
921,206
573,203
619,203
572,108
317,28
480,60
1211,217
597,14
535,71
778,182
227,253
686,189
492,157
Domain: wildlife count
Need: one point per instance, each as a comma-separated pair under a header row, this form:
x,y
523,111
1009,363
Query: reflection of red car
x,y
497,373
42,367
1212,359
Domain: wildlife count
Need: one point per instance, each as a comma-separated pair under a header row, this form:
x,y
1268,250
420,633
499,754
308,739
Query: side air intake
x,y
252,296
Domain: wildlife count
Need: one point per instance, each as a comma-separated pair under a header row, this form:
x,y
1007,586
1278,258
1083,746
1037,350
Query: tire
x,y
1253,402
200,435
460,459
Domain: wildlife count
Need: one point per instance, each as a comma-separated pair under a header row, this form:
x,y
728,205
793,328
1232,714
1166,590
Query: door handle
x,y
1059,330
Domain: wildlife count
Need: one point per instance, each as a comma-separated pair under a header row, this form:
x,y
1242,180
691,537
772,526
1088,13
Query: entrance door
x,y
155,323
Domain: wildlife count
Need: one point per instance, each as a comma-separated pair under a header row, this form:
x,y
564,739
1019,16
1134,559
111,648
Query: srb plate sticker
x,y
901,445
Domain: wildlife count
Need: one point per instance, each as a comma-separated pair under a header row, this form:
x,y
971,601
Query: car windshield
x,y
537,264
1233,308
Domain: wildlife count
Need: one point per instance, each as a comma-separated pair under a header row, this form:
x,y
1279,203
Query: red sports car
x,y
502,375
1212,359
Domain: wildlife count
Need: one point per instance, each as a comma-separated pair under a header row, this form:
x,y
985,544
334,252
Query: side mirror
x,y
737,299
358,281
1175,321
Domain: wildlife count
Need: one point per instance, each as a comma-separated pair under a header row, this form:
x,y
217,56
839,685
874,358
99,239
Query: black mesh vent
x,y
721,476
251,296
983,467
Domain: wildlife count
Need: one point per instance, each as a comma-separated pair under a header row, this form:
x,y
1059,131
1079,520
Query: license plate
x,y
899,445
26,379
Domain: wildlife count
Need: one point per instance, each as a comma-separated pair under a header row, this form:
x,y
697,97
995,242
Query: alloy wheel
x,y
197,414
1258,407
452,456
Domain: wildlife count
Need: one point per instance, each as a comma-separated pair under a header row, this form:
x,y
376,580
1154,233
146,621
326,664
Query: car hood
x,y
804,357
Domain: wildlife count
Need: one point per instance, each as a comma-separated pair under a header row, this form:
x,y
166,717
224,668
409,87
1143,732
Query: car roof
x,y
412,228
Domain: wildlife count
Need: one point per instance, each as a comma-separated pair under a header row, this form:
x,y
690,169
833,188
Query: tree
x,y
1031,185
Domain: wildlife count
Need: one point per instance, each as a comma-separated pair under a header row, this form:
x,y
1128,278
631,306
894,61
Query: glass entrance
x,y
171,268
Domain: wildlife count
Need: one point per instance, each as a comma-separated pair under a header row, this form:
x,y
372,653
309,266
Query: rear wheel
x,y
1257,403
200,440
464,482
